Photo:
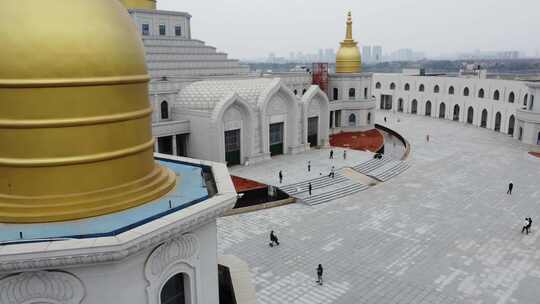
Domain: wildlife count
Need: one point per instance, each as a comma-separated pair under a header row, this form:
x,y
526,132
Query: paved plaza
x,y
444,231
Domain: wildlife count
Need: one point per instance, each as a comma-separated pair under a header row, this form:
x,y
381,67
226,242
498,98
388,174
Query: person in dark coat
x,y
280,176
331,154
344,154
309,189
510,187
309,166
319,274
273,239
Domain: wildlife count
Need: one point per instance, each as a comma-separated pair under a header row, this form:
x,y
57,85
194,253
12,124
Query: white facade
x,y
500,105
250,107
352,106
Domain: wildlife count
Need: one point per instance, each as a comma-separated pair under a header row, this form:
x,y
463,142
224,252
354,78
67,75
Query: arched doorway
x,y
470,115
483,122
352,120
538,139
428,108
400,105
442,110
414,107
174,291
511,123
456,113
498,122
520,137
335,94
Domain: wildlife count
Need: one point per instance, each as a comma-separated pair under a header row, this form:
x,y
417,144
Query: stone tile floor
x,y
442,232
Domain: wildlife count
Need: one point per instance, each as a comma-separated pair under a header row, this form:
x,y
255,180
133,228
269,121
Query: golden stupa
x,y
140,4
348,59
75,125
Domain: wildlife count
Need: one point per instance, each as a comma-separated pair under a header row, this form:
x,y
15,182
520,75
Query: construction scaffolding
x,y
320,76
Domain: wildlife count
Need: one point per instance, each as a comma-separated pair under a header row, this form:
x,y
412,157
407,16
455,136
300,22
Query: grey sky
x,y
253,28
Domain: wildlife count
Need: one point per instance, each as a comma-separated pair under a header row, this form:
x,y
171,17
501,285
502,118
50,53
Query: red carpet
x,y
243,184
371,140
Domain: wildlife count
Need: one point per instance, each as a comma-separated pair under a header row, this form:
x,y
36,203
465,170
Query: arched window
x,y
531,103
174,291
538,139
407,87
392,86
352,93
295,92
481,93
496,95
400,105
369,118
164,110
525,99
456,113
414,106
428,108
498,122
511,97
365,92
483,121
335,94
470,115
421,88
442,110
352,120
378,85
451,90
511,123
466,91
436,89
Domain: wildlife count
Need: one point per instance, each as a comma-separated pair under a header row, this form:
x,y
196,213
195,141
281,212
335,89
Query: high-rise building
x,y
366,53
377,54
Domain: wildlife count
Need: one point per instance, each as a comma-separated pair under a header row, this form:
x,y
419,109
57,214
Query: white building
x,y
501,105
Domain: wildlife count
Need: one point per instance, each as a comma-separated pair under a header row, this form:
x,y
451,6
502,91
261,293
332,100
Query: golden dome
x,y
348,59
75,125
140,4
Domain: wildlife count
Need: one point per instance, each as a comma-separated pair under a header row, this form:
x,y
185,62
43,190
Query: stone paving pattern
x,y
444,231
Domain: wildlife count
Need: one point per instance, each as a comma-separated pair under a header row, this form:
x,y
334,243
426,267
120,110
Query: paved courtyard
x,y
444,231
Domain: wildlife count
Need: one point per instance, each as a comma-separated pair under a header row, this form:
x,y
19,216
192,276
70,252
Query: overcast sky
x,y
254,28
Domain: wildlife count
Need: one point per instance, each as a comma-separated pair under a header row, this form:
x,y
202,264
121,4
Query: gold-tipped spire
x,y
348,59
348,36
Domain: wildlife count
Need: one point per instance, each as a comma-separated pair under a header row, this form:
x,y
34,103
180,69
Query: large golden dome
x,y
75,125
140,4
348,59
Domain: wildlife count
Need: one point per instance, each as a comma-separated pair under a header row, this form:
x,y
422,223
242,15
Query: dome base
x,y
25,209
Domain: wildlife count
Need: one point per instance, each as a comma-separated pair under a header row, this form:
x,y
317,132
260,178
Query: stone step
x,y
334,194
393,172
316,183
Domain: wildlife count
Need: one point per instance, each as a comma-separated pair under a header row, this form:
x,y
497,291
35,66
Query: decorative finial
x,y
348,36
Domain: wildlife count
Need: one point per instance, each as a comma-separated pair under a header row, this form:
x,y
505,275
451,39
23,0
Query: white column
x,y
174,147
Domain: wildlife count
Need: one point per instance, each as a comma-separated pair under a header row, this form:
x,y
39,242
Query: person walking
x,y
331,154
510,187
385,119
309,189
273,239
319,274
309,166
344,154
280,176
527,226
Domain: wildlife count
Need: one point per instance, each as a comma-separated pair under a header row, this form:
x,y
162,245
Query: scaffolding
x,y
320,76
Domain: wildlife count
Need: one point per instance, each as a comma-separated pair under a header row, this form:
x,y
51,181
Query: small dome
x,y
75,119
348,59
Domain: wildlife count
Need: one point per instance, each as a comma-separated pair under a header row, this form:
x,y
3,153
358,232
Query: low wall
x,y
398,136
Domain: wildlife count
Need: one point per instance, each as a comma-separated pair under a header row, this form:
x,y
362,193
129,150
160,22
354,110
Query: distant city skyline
x,y
437,28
